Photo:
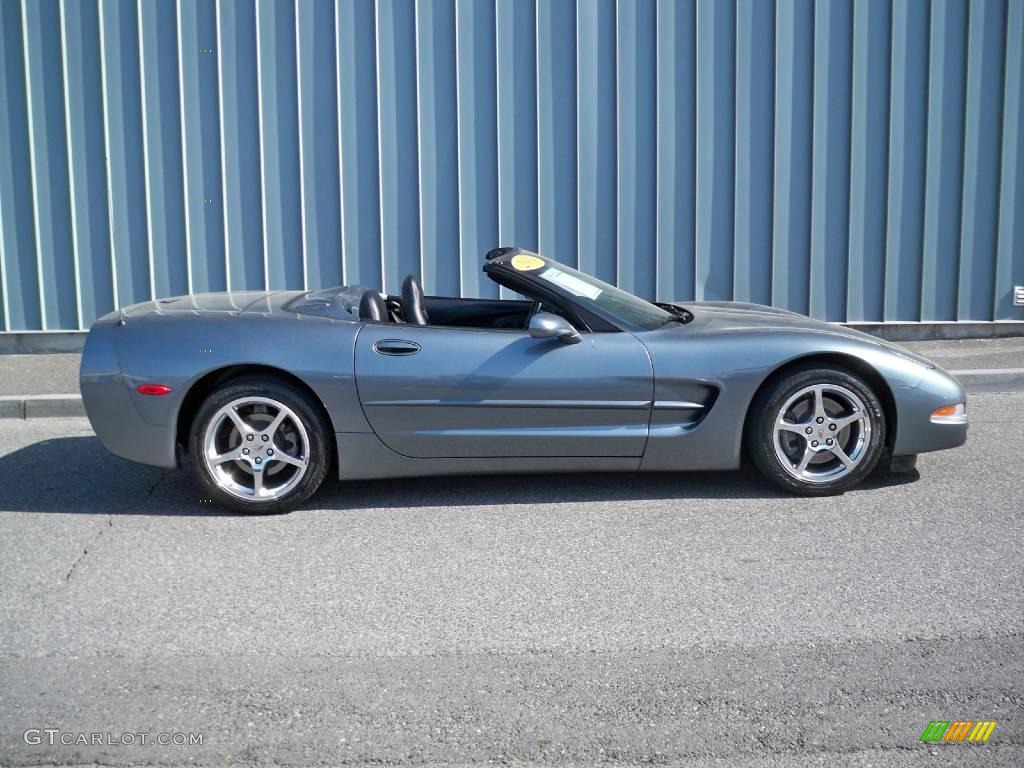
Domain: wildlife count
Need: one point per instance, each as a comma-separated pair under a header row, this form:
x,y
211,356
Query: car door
x,y
431,392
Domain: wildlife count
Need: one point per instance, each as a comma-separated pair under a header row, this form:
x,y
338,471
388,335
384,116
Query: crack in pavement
x,y
110,523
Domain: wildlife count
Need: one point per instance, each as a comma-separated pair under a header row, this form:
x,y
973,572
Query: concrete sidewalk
x,y
47,385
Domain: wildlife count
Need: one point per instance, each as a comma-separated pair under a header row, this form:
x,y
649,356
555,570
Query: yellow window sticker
x,y
524,262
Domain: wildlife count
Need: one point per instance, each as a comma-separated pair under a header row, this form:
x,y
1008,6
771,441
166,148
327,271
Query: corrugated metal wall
x,y
856,160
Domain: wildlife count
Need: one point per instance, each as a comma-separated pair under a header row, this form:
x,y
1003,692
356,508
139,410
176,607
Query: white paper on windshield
x,y
571,283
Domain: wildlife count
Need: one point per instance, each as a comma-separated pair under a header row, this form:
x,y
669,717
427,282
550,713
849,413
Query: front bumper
x,y
916,431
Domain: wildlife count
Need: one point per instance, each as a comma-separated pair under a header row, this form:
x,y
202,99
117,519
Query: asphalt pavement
x,y
690,620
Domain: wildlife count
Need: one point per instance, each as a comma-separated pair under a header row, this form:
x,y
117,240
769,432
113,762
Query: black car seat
x,y
372,307
412,302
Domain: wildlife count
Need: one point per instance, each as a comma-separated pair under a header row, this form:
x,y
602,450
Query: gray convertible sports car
x,y
264,394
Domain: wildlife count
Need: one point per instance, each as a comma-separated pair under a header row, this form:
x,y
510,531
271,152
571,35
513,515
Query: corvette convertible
x,y
264,394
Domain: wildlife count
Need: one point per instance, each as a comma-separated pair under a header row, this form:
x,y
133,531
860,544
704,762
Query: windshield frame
x,y
649,316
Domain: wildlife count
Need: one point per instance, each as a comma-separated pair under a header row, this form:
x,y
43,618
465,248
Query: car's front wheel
x,y
259,446
816,430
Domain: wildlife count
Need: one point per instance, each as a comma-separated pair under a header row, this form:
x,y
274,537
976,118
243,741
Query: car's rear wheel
x,y
816,430
259,446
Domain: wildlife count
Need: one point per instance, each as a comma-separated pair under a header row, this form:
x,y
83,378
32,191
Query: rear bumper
x,y
107,400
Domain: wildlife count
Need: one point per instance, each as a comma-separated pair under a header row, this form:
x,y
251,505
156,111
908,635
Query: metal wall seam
x,y
263,152
341,146
380,167
184,154
503,292
71,171
147,179
418,79
302,154
223,148
458,149
107,153
33,164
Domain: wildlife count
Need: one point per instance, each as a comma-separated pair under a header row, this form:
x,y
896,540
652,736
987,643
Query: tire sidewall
x,y
304,409
761,428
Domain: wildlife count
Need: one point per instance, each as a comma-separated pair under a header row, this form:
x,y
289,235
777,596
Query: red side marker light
x,y
153,389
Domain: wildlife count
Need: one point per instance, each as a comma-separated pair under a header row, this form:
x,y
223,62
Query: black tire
x,y
308,412
764,450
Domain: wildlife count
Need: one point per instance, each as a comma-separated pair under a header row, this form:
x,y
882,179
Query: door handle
x,y
396,347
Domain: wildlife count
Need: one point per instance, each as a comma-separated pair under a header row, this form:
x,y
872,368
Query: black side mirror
x,y
545,325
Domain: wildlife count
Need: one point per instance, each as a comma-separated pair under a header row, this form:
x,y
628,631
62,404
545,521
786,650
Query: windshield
x,y
620,303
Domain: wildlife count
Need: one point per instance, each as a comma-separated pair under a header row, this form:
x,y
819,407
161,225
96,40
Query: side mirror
x,y
545,325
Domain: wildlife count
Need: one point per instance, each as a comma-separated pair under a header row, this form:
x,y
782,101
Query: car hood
x,y
730,316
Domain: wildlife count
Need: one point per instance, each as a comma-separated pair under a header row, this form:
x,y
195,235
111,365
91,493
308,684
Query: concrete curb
x,y
40,406
974,381
979,380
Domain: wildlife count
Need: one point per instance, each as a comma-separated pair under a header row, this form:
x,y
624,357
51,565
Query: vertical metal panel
x,y
200,104
438,146
636,135
240,142
44,79
399,171
857,159
556,130
126,164
908,117
755,83
716,149
357,84
22,310
478,150
794,68
516,71
676,150
944,173
596,142
1010,250
318,113
869,159
830,166
165,189
282,183
982,145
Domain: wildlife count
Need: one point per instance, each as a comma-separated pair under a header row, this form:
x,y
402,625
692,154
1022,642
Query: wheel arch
x,y
868,373
206,384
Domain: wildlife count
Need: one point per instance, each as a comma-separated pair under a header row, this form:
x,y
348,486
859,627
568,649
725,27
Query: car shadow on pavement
x,y
77,475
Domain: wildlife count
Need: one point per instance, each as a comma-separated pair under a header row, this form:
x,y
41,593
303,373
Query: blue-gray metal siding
x,y
855,160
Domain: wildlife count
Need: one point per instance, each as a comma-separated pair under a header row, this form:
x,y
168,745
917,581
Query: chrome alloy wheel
x,y
822,433
256,449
